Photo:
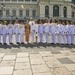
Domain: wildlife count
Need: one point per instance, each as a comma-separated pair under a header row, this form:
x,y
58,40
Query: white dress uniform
x,y
68,34
72,28
46,30
36,29
59,33
53,32
10,32
21,32
41,30
32,23
64,34
4,33
0,32
16,31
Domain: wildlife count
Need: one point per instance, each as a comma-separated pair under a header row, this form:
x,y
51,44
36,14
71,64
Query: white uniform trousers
x,y
10,38
72,38
17,37
21,38
68,37
0,38
64,39
32,36
41,37
47,37
59,38
53,37
4,38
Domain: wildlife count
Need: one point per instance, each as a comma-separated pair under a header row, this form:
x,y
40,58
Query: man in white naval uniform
x,y
53,31
46,30
64,33
0,32
32,23
59,32
68,33
10,32
16,31
4,32
41,31
36,31
21,32
72,28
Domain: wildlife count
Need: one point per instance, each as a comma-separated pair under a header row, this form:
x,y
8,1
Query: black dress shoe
x,y
72,44
62,44
22,43
67,44
53,43
18,43
5,43
57,43
0,43
11,43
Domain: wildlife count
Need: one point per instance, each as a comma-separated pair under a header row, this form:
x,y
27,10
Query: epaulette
x,y
51,24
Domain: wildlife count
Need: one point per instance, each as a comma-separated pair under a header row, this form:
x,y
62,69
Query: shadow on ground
x,y
36,45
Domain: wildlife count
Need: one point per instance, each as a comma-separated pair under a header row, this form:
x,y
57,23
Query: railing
x,y
37,17
17,17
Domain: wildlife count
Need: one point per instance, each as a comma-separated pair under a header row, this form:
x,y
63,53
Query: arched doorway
x,y
46,11
65,12
55,11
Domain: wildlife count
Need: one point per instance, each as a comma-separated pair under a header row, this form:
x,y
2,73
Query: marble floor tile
x,y
6,70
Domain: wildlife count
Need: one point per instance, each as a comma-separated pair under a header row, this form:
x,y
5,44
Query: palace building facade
x,y
22,9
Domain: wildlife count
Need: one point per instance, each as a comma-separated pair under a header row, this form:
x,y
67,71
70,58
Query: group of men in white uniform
x,y
64,32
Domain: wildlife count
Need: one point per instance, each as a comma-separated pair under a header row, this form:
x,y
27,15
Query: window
x,y
7,0
27,13
27,0
34,0
20,0
14,13
55,11
1,13
1,0
46,11
7,13
65,12
20,13
14,0
34,13
72,14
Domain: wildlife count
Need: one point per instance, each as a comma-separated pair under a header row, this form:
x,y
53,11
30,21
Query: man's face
x,y
16,21
53,21
10,22
22,23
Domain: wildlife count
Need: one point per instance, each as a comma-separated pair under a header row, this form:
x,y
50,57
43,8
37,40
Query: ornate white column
x,y
61,11
30,12
24,12
51,10
69,11
42,10
10,11
4,13
17,12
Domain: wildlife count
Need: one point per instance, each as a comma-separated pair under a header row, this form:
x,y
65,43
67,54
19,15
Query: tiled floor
x,y
38,62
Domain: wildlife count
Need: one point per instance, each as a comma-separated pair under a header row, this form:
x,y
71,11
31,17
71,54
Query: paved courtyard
x,y
40,59
43,59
